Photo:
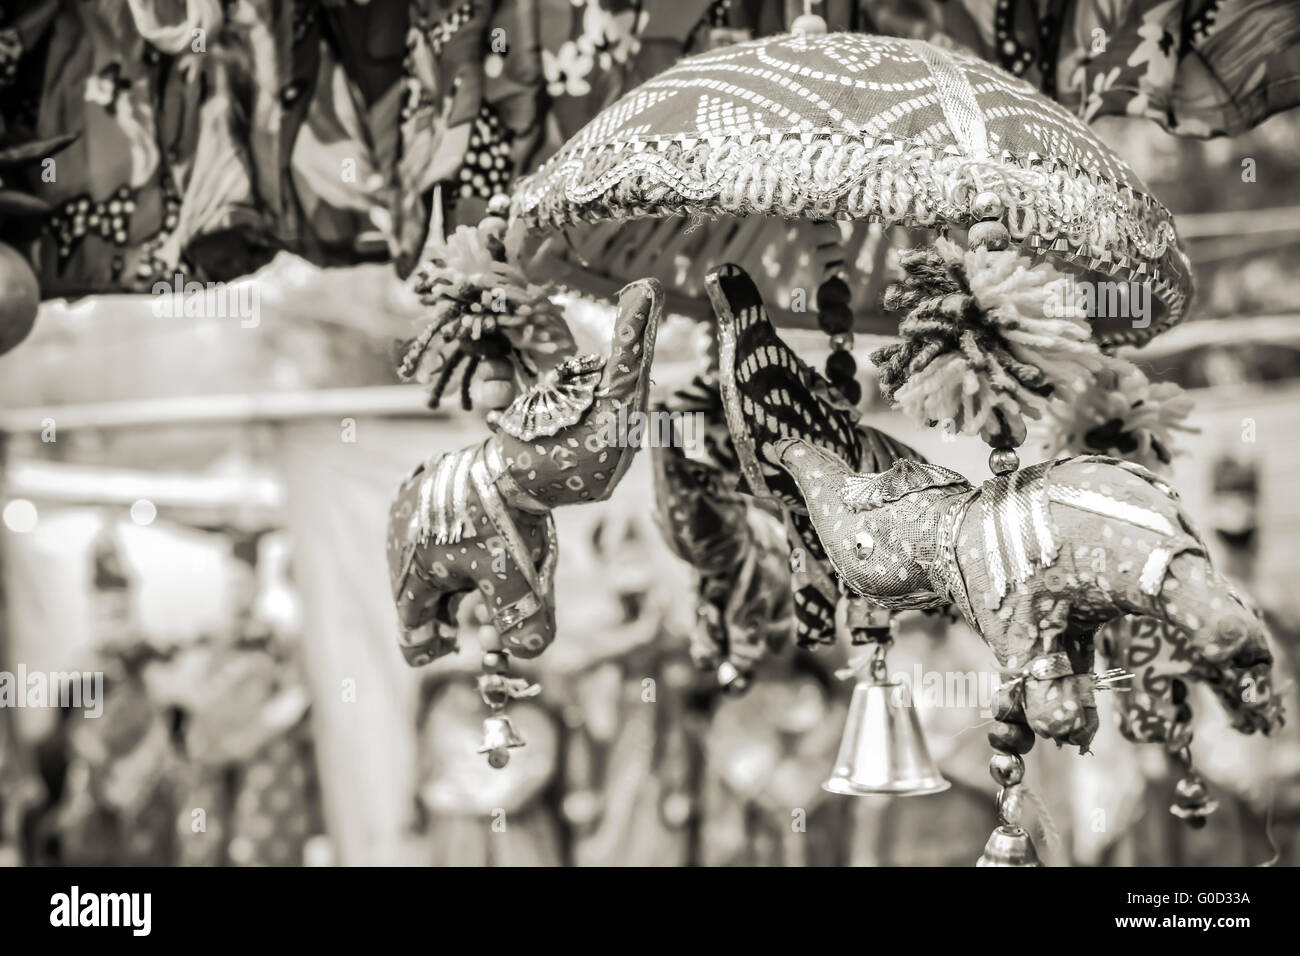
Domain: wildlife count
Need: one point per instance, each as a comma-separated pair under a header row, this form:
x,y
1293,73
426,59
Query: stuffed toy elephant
x,y
1037,560
738,552
479,519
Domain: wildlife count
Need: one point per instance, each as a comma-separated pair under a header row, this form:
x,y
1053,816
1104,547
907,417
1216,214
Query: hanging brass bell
x,y
498,738
1009,846
883,749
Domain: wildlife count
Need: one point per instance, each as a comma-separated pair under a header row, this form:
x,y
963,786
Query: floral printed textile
x,y
463,96
1197,67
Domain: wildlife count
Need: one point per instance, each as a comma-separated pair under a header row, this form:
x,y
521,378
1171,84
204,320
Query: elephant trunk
x,y
819,474
878,551
821,478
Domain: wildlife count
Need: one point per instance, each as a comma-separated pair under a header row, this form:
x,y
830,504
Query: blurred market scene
x,y
195,500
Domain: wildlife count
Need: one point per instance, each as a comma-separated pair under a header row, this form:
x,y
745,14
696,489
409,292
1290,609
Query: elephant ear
x,y
768,392
904,477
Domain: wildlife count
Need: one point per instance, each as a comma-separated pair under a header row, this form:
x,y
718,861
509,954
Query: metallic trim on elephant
x,y
444,499
540,581
510,615
1094,501
947,576
1153,572
1017,533
1151,582
1050,666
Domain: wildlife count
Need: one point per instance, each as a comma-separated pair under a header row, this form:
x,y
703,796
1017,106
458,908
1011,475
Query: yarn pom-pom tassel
x,y
1124,414
987,340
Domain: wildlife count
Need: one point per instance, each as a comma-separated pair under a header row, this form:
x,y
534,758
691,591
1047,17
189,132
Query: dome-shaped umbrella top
x,y
852,126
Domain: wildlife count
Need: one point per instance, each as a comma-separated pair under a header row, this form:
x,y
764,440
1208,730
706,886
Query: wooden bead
x,y
808,24
989,235
834,291
1007,770
496,369
492,227
1003,461
851,390
1010,738
489,638
1007,704
835,319
493,394
841,366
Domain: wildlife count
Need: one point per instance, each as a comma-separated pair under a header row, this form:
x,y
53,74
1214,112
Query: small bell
x,y
497,690
1009,846
498,738
1192,801
883,749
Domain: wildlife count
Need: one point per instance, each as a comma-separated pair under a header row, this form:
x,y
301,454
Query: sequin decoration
x,y
559,400
444,492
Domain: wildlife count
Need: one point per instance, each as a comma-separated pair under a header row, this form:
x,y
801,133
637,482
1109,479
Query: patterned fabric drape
x,y
229,131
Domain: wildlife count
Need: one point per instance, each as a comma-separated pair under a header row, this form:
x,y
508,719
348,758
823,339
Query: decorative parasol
x,y
841,126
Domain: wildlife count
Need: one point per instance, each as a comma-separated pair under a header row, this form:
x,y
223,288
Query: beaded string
x,y
989,232
834,315
1011,738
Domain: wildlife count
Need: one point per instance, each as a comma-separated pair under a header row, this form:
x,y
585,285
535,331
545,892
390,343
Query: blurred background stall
x,y
194,505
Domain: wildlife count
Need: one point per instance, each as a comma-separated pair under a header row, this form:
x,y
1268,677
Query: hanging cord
x,y
1044,830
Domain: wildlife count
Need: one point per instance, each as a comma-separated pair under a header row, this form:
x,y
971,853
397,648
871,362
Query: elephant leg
x,y
1153,708
1218,640
1060,704
426,608
1041,639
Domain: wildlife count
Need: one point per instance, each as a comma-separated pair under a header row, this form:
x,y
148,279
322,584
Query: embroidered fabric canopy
x,y
844,127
